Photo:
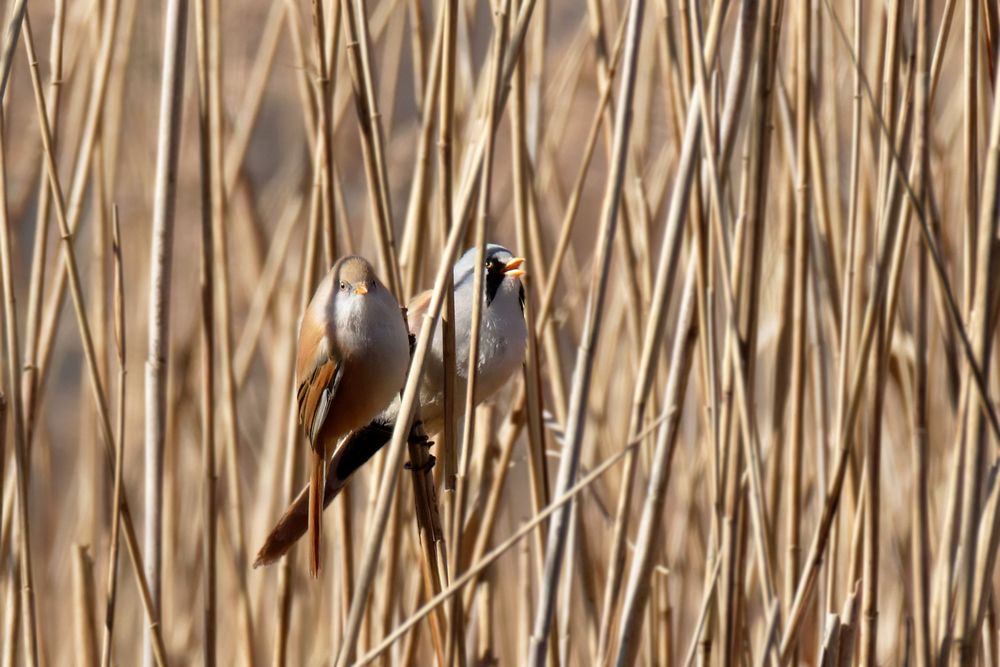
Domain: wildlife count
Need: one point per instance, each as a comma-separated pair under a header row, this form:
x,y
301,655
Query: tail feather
x,y
317,485
293,524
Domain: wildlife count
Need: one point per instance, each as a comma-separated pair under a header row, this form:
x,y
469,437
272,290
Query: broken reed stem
x,y
83,602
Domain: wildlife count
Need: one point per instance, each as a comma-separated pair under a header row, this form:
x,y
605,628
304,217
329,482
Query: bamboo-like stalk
x,y
323,129
39,346
665,271
40,244
120,349
161,250
803,103
967,571
919,496
219,280
477,568
419,357
10,37
416,212
210,205
29,621
83,602
849,414
592,324
372,138
455,645
445,162
650,527
291,442
531,403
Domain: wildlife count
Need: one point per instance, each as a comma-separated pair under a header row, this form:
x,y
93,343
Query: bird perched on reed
x,y
502,340
352,360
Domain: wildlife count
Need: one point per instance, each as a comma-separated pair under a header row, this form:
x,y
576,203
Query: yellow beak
x,y
512,268
360,289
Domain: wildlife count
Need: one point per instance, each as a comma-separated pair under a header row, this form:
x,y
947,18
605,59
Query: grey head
x,y
502,277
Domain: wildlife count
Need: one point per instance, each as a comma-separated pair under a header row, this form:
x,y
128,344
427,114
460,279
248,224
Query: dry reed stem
x,y
476,568
29,619
649,535
120,348
584,366
210,203
10,37
889,165
168,146
455,644
83,603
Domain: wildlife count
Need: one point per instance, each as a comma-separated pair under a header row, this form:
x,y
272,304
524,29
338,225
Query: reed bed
x,y
757,421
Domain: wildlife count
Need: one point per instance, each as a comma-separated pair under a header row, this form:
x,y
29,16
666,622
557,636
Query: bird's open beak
x,y
360,289
512,268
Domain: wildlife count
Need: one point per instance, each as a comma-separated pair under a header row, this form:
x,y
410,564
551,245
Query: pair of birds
x,y
352,362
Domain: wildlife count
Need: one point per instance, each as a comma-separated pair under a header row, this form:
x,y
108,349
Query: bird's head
x,y
502,272
355,277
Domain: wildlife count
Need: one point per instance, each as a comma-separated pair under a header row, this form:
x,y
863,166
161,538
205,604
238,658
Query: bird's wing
x,y
319,373
416,309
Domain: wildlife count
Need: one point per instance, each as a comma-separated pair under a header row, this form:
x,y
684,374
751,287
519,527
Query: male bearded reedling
x,y
502,341
353,356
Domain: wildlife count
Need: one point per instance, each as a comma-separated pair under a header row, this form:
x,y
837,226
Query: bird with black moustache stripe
x,y
503,337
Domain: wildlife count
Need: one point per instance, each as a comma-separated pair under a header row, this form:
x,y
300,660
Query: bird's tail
x,y
317,485
354,452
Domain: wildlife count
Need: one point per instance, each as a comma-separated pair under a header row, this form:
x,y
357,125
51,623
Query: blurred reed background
x,y
757,422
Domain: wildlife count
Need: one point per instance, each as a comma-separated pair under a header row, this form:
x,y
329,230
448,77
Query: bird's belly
x,y
354,408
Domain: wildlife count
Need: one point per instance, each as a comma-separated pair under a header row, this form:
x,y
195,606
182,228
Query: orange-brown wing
x,y
318,374
416,309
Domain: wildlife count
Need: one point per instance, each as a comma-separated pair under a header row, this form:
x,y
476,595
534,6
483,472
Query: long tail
x,y
317,485
355,451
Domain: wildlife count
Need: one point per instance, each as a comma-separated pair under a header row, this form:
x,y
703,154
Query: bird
x,y
353,354
503,337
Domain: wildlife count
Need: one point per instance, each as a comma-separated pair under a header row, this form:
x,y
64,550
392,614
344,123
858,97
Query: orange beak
x,y
512,268
360,289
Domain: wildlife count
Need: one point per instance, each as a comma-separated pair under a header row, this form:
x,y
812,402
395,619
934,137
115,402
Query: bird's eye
x,y
343,285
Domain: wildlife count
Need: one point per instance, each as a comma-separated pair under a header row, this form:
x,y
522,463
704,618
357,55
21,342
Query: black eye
x,y
343,285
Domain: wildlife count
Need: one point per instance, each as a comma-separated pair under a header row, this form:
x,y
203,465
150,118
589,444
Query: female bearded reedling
x,y
502,341
352,361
